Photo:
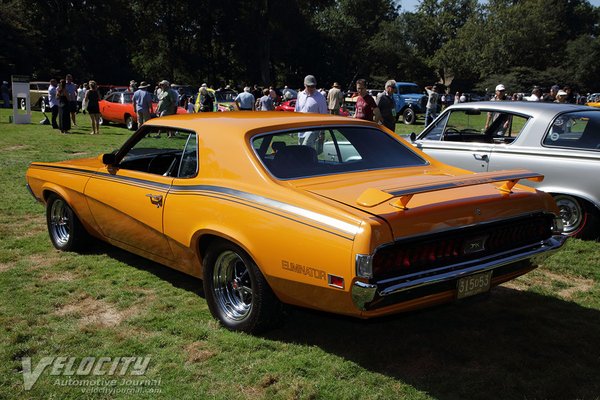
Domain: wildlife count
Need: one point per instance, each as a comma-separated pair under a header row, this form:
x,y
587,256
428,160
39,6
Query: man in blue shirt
x,y
245,100
142,100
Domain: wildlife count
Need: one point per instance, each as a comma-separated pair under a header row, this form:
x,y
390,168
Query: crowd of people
x,y
66,99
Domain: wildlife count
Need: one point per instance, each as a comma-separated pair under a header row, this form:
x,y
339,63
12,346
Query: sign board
x,y
21,101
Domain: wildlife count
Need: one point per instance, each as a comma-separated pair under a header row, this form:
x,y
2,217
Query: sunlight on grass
x,y
109,303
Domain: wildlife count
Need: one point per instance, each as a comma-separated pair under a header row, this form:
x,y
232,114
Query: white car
x,y
561,141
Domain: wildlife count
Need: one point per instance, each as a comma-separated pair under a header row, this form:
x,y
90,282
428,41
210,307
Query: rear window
x,y
331,150
577,130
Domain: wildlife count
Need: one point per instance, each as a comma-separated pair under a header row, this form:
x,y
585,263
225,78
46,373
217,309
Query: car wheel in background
x,y
66,232
129,123
43,106
101,121
409,116
580,219
236,291
23,105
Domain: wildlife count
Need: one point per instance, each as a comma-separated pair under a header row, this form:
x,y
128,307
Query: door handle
x,y
155,199
480,157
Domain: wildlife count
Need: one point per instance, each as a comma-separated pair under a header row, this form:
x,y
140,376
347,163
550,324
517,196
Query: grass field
x,y
535,338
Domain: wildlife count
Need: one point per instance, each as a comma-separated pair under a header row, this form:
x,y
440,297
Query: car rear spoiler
x,y
373,197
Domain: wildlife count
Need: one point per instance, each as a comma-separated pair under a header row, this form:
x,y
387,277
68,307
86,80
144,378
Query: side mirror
x,y
109,159
413,137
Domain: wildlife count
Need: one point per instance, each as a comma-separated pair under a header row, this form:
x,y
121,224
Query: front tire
x,y
237,293
65,229
580,219
409,117
101,121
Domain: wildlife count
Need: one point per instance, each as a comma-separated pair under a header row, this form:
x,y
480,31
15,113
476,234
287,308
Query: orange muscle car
x,y
318,211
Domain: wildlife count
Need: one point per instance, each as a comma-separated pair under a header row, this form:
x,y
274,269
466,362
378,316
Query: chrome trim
x,y
365,260
546,247
363,293
349,228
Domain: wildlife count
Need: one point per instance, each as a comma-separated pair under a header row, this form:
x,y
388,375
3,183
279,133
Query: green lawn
x,y
534,338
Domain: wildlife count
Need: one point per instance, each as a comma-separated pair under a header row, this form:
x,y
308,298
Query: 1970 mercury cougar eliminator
x,y
317,211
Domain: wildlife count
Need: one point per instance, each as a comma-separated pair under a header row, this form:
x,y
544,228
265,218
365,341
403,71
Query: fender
x,y
570,192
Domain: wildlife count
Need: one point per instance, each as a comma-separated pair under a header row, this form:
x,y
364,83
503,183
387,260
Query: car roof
x,y
239,122
524,107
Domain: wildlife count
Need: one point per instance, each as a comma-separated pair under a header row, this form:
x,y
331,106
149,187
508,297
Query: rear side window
x,y
576,130
477,126
332,150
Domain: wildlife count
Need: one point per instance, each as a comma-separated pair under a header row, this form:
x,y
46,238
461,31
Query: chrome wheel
x,y
409,116
43,105
232,286
129,123
60,223
571,213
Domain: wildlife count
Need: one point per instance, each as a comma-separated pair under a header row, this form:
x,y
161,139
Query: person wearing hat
x,y
310,100
167,100
551,97
500,95
142,100
561,97
335,99
431,108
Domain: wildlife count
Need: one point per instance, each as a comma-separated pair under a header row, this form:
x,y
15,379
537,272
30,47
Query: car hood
x,y
435,201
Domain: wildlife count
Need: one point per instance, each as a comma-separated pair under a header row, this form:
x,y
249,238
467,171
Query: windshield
x,y
331,150
409,89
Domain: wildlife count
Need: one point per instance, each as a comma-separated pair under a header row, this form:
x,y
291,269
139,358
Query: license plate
x,y
474,284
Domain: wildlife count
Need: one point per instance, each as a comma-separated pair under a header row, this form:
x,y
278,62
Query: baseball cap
x,y
500,87
309,80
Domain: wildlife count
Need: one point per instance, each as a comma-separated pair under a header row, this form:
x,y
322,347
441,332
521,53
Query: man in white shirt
x,y
310,101
536,94
53,102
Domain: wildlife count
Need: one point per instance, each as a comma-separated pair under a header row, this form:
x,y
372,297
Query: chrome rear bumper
x,y
365,293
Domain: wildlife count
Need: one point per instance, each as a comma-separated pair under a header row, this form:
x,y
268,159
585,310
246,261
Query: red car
x,y
117,107
288,105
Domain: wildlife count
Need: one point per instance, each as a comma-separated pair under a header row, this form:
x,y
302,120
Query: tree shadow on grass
x,y
510,345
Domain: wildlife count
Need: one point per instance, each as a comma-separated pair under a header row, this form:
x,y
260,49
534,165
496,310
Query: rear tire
x,y
580,218
129,123
237,293
43,105
101,121
65,230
